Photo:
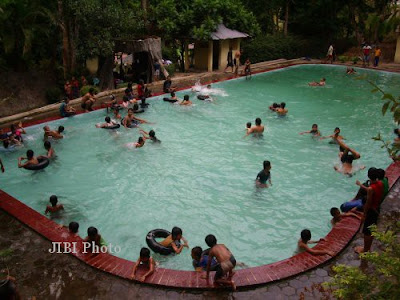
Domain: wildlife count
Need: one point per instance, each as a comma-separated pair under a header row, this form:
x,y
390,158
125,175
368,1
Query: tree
x,y
185,20
21,22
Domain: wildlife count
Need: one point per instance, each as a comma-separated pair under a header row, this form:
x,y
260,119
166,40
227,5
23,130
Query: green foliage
x,y
6,253
53,95
85,89
100,22
383,283
178,19
171,69
271,47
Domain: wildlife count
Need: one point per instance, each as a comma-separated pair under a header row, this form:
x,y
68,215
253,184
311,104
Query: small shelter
x,y
212,54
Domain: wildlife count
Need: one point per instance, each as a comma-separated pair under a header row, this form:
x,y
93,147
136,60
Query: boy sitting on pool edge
x,y
305,239
173,240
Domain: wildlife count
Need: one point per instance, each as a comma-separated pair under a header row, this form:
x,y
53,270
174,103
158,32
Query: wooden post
x,y
210,56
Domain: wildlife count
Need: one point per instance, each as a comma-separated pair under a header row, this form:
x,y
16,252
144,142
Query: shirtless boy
x,y
227,262
31,160
54,207
55,134
88,100
282,111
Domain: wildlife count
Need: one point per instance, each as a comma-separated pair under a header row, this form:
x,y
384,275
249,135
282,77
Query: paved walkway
x,y
51,276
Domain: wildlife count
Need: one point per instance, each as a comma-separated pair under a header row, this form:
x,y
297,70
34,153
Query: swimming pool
x,y
201,177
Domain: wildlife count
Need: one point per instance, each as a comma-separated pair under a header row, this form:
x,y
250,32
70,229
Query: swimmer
x,y
55,134
335,136
146,261
136,109
186,101
257,129
151,135
94,238
143,103
2,166
16,132
305,240
50,151
314,131
54,206
200,259
264,175
131,120
337,215
140,142
350,70
126,102
274,106
117,115
173,240
108,123
31,160
73,228
321,83
173,96
347,157
113,104
282,111
248,126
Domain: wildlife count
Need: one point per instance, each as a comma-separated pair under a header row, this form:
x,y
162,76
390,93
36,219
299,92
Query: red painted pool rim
x,y
336,241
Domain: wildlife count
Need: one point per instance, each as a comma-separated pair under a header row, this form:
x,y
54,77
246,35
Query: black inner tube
x,y
170,100
43,163
156,246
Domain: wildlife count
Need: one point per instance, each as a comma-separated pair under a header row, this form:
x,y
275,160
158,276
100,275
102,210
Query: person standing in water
x,y
264,175
256,130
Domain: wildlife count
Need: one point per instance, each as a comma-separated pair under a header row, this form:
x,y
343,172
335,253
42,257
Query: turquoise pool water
x,y
201,177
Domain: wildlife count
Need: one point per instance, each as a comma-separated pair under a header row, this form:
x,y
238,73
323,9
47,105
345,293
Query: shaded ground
x,y
60,276
22,91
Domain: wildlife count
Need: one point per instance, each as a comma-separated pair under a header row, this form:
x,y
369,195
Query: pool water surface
x,y
201,177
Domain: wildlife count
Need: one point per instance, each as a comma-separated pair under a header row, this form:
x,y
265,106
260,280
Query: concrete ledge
x,y
51,112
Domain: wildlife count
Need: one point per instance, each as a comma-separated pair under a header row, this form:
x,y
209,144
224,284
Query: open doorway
x,y
142,66
215,55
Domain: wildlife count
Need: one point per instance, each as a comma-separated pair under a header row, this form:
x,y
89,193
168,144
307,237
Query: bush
x,y
270,47
171,69
53,95
343,58
85,89
383,282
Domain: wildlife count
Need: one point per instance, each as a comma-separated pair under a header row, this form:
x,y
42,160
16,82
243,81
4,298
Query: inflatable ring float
x,y
156,246
43,163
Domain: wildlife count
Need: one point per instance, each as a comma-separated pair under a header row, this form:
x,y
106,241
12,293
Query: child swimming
x,y
146,261
264,175
54,206
314,131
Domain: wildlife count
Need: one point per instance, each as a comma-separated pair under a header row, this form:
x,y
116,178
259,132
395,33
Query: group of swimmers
x,y
217,257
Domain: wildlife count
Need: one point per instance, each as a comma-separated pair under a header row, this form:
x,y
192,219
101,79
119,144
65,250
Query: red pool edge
x,y
336,241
